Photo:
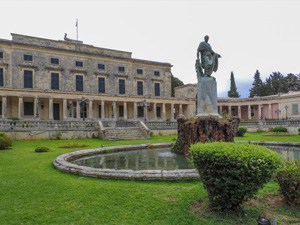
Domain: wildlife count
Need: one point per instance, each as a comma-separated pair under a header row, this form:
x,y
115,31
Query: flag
x,y
76,22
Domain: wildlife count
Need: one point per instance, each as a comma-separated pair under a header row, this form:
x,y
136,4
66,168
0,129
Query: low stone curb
x,y
62,163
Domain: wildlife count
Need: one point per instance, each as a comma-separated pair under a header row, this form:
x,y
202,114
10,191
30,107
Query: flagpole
x,y
77,28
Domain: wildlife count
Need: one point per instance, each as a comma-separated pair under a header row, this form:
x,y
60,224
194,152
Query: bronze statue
x,y
209,59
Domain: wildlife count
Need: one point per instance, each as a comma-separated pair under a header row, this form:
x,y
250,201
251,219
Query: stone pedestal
x,y
207,97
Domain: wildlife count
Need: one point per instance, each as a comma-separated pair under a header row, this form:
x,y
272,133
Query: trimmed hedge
x,y
233,172
41,149
280,129
5,141
241,131
289,181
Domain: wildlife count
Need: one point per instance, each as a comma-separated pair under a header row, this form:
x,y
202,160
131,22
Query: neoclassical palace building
x,y
44,79
281,106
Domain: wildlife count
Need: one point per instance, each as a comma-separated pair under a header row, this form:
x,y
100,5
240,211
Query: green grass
x,y
32,191
265,136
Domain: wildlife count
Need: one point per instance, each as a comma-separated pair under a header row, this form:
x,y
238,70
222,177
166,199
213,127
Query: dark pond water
x,y
158,159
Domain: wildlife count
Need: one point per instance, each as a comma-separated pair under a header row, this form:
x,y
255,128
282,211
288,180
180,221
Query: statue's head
x,y
206,38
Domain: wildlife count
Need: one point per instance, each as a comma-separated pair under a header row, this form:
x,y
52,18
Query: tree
x,y
233,93
279,83
293,82
175,82
257,86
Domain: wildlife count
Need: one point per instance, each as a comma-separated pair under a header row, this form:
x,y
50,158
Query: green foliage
x,y
289,181
5,141
280,129
233,93
41,149
175,82
233,172
257,86
241,131
299,130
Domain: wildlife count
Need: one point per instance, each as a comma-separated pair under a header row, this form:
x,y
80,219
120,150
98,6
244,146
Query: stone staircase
x,y
124,130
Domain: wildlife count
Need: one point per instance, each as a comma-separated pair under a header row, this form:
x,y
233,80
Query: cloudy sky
x,y
250,35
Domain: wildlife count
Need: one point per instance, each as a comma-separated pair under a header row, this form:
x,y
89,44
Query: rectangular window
x,y
139,71
1,77
79,83
79,64
121,69
121,86
101,84
121,111
157,89
157,73
140,88
1,55
55,61
54,81
28,79
28,108
140,111
0,108
295,109
158,112
101,66
28,58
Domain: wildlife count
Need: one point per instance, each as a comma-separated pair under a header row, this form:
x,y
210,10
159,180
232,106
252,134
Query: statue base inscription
x,y
207,97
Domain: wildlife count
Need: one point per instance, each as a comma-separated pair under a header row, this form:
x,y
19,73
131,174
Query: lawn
x,y
265,136
32,191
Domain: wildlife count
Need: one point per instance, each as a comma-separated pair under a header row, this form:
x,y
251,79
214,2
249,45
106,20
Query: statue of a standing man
x,y
209,59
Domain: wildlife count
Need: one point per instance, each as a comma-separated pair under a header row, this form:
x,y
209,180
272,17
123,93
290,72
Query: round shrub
x,y
241,131
280,129
299,130
42,149
289,182
5,141
233,172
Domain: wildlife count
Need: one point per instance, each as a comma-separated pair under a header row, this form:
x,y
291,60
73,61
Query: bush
x,y
5,141
42,149
289,182
233,172
279,129
299,130
241,131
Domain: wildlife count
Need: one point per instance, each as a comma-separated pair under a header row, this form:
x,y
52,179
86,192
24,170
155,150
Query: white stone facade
x,y
45,79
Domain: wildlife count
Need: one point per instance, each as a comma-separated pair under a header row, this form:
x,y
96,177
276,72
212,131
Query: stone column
x,y
50,108
180,109
134,110
221,110
154,112
78,111
259,112
90,109
35,109
172,111
4,103
229,110
163,116
270,111
65,109
239,111
21,108
114,111
145,111
102,110
125,110
249,112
